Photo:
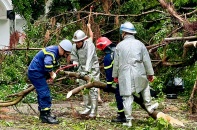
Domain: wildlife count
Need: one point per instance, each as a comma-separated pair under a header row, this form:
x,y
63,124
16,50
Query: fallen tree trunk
x,y
90,83
193,99
19,96
98,84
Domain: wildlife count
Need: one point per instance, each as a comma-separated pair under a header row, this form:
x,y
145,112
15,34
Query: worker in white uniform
x,y
84,54
133,71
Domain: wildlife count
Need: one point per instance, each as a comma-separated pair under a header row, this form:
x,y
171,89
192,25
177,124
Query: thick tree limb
x,y
19,96
192,100
169,7
98,84
90,83
180,38
187,45
154,47
190,44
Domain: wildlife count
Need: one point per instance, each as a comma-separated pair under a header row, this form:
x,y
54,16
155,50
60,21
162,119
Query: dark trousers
x,y
119,101
42,89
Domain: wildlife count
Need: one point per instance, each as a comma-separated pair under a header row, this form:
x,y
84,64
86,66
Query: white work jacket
x,y
132,64
86,58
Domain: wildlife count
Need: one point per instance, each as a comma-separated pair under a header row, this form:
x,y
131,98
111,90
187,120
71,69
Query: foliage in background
x,y
29,9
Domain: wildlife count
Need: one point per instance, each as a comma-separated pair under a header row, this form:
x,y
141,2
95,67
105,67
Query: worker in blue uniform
x,y
108,47
41,66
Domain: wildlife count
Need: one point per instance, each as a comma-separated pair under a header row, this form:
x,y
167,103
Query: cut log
x,y
170,119
190,44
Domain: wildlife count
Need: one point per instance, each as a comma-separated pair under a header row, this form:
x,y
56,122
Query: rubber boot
x,y
120,118
45,117
128,123
94,102
147,101
94,107
152,108
87,104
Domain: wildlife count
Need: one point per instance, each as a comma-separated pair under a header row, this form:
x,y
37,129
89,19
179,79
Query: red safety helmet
x,y
102,43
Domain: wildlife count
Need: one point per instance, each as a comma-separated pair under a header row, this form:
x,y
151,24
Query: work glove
x,y
53,75
82,74
150,78
75,68
116,79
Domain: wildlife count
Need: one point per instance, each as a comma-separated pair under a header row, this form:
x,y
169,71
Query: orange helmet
x,y
102,43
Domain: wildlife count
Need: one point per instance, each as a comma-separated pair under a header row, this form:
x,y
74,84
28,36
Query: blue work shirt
x,y
44,63
108,66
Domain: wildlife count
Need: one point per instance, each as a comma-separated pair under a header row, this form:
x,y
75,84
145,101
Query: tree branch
x,y
180,38
190,44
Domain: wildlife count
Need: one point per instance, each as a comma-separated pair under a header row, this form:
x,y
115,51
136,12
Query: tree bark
x,y
180,38
193,99
190,44
187,45
19,96
171,10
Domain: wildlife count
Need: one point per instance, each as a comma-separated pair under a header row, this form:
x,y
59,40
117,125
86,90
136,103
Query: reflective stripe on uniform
x,y
109,66
52,55
121,110
45,109
49,66
109,82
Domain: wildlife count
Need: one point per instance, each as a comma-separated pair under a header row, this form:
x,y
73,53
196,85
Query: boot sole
x,y
44,121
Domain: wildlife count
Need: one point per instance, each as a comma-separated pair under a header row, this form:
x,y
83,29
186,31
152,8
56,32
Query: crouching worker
x,y
84,54
41,66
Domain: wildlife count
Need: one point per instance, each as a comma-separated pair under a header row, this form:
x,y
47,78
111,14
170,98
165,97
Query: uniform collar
x,y
84,43
129,36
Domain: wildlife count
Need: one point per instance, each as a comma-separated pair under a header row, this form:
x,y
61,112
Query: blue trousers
x,y
42,89
119,100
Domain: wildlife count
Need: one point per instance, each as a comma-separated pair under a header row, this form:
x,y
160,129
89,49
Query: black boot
x,y
120,118
46,117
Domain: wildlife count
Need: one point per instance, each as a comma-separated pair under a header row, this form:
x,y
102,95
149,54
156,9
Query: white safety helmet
x,y
78,36
66,45
128,27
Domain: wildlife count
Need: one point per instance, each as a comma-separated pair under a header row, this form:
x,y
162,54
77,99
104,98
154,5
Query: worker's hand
x,y
82,74
75,63
89,25
53,75
116,79
150,78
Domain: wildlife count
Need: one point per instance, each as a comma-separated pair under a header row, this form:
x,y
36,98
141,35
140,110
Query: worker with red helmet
x,y
104,44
